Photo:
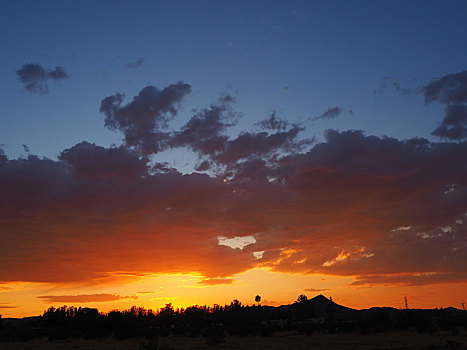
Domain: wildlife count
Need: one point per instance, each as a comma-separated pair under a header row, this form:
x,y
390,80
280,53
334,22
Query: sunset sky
x,y
196,152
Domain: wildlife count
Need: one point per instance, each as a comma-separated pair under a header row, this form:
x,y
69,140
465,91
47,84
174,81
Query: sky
x,y
190,153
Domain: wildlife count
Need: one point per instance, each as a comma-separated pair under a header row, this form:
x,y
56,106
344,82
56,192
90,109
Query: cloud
x,y
416,279
331,113
236,242
204,132
454,124
90,160
143,119
262,144
274,122
450,90
7,306
83,298
35,78
313,290
333,210
335,207
138,63
215,281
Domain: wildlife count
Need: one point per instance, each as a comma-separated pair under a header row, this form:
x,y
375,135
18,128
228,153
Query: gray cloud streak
x,y
35,78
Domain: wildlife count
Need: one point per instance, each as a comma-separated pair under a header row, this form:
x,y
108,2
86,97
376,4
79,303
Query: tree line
x,y
213,322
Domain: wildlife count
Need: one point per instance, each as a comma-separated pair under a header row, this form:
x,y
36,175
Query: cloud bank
x,y
379,209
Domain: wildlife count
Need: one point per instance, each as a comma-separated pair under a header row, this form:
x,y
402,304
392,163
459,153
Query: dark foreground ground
x,y
284,340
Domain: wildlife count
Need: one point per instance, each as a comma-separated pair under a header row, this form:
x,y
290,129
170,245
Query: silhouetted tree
x,y
235,304
258,299
303,308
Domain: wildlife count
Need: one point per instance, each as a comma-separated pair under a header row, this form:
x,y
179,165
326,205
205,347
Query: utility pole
x,y
463,306
406,304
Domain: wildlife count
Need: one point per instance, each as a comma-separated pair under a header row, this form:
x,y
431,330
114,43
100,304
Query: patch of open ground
x,y
284,340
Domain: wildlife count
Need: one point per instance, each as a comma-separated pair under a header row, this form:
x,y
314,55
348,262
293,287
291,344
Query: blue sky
x,y
297,57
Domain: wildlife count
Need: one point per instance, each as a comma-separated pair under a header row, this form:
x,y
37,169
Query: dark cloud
x,y
274,123
454,124
3,157
260,144
163,167
368,187
138,63
204,165
354,205
90,160
7,306
204,132
143,119
331,113
451,88
57,73
35,78
377,208
83,298
144,122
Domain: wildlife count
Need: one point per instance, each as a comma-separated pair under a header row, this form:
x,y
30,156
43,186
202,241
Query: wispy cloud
x,y
330,113
313,290
135,64
83,298
35,78
215,281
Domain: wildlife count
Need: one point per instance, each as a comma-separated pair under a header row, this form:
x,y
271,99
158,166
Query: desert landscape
x,y
282,341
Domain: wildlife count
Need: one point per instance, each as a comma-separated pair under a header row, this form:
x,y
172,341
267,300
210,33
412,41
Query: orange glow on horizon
x,y
183,290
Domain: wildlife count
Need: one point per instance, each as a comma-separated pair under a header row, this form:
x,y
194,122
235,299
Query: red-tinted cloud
x,y
83,298
380,209
215,281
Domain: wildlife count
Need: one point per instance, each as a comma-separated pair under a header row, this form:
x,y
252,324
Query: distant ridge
x,y
325,308
320,306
